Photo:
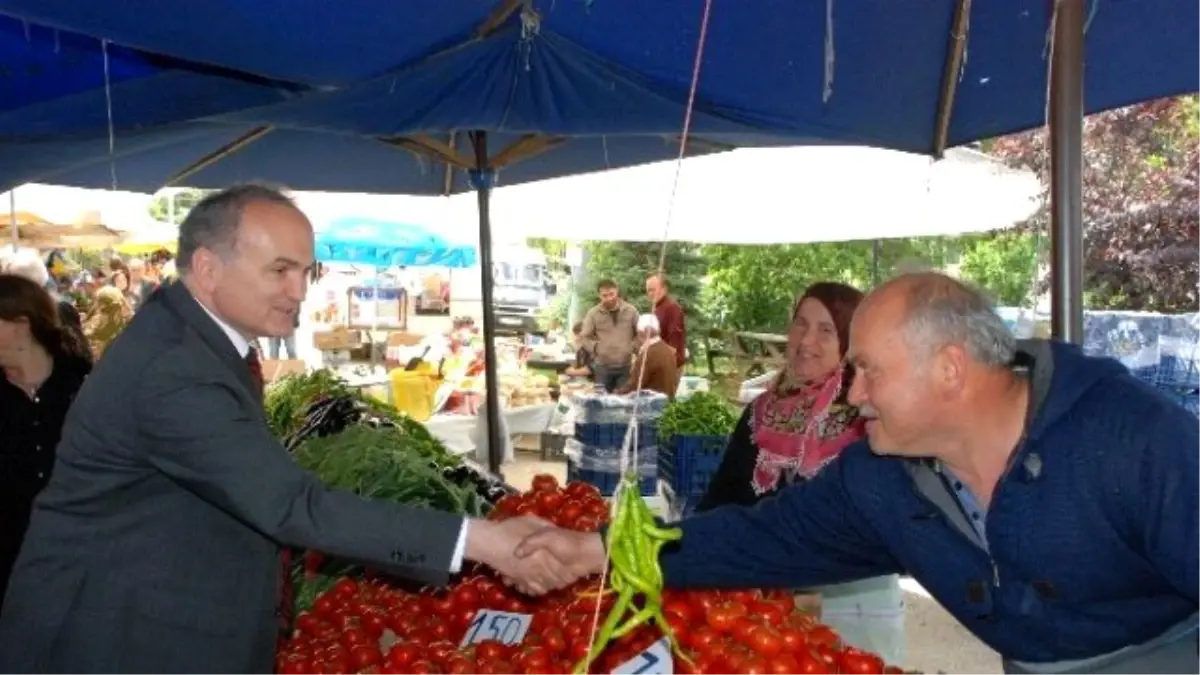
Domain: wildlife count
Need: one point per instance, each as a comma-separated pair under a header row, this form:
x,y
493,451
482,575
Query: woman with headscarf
x,y
108,318
43,366
791,431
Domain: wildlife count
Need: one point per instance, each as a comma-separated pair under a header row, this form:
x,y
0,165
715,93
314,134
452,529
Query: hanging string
x,y
112,135
628,458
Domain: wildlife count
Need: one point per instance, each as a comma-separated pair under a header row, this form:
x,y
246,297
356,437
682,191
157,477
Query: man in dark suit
x,y
155,545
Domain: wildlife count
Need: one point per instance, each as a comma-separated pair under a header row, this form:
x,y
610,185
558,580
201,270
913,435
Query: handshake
x,y
534,555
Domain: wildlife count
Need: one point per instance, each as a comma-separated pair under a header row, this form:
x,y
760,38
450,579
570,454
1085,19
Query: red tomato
x,y
743,628
793,639
364,656
810,663
296,666
765,641
586,523
755,665
549,501
555,641
459,664
308,624
703,639
345,588
324,606
768,614
465,596
490,650
402,654
857,661
354,637
421,667
823,635
784,664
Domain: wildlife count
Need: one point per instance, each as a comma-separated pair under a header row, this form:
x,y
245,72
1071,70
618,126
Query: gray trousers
x,y
610,377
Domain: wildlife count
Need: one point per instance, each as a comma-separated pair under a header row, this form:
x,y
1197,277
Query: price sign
x,y
505,627
654,661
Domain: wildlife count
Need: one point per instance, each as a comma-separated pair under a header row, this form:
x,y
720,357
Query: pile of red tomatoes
x,y
375,627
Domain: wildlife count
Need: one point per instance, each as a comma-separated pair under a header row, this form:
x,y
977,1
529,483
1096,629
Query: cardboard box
x,y
338,338
275,369
403,339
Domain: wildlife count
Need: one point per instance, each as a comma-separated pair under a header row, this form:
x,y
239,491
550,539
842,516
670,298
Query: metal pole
x,y
12,219
483,190
1066,176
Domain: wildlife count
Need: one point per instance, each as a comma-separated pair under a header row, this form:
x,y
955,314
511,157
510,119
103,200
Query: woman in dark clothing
x,y
44,366
802,421
791,431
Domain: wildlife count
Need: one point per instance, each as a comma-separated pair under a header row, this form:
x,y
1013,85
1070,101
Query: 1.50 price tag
x,y
656,660
505,627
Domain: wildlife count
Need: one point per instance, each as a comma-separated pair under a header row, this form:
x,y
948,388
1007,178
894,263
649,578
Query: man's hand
x,y
494,544
580,553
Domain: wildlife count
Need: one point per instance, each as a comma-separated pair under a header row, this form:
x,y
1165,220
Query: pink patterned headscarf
x,y
798,430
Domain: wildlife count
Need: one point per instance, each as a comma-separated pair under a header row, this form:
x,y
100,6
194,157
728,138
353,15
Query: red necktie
x,y
285,604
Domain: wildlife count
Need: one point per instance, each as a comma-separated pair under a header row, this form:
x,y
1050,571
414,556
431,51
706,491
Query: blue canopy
x,y
385,243
333,95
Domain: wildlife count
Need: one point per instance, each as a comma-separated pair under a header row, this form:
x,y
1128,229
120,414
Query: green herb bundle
x,y
701,414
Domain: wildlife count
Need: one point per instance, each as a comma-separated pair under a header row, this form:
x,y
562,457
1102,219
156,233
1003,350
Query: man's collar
x,y
240,343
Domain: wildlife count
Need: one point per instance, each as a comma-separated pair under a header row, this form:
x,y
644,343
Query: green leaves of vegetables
x,y
701,414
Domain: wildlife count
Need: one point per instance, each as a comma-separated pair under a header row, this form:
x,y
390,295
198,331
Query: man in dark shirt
x,y
670,317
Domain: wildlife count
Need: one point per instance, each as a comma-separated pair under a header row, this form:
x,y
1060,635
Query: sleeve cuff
x,y
456,561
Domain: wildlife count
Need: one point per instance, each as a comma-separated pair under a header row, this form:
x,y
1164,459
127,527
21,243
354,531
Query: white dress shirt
x,y
242,345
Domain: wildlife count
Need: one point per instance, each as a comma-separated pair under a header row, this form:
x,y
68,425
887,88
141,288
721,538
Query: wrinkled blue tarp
x,y
611,75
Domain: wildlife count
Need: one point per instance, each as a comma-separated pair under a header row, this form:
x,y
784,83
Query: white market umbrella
x,y
776,196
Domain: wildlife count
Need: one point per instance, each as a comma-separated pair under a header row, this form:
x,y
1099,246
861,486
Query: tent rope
x,y
628,458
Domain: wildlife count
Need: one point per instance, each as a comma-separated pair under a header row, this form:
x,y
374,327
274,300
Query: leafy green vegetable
x,y
386,463
701,414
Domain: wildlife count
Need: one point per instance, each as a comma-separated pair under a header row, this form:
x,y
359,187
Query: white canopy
x,y
776,196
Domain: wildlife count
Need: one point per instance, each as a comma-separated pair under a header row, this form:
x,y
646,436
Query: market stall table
x,y
459,432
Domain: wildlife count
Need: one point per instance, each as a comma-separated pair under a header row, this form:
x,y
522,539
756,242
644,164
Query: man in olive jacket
x,y
609,332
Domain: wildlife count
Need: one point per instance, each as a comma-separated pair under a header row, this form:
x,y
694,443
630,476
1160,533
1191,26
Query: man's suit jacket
x,y
154,547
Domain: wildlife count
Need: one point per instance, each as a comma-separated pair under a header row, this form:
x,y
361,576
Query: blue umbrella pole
x,y
482,178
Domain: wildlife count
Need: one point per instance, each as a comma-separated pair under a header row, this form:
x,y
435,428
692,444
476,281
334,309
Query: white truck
x,y
521,288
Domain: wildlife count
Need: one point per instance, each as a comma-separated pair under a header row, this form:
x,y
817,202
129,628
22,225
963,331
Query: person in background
x,y
670,317
582,367
43,368
609,330
790,432
107,319
1048,499
140,286
654,366
27,263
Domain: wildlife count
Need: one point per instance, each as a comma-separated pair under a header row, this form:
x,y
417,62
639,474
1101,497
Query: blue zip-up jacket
x,y
1092,535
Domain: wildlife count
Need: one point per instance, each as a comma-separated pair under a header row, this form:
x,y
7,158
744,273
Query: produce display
x,y
378,626
701,414
354,443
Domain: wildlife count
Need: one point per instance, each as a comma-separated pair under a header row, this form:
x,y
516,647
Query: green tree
x,y
753,288
1141,183
1002,263
160,207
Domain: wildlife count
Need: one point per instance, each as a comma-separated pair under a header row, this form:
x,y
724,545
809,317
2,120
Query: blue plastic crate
x,y
606,481
688,463
612,435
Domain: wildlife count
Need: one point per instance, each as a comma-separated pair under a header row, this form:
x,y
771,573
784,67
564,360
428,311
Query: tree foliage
x,y
160,207
1002,263
753,288
1140,191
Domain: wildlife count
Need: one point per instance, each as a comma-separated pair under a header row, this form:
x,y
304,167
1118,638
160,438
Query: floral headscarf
x,y
798,426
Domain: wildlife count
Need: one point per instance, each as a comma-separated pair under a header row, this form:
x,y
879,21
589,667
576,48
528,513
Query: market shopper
x,y
43,368
155,547
609,330
790,432
654,366
671,321
1046,498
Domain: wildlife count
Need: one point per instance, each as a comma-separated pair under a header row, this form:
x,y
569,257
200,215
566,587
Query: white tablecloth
x,y
464,434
